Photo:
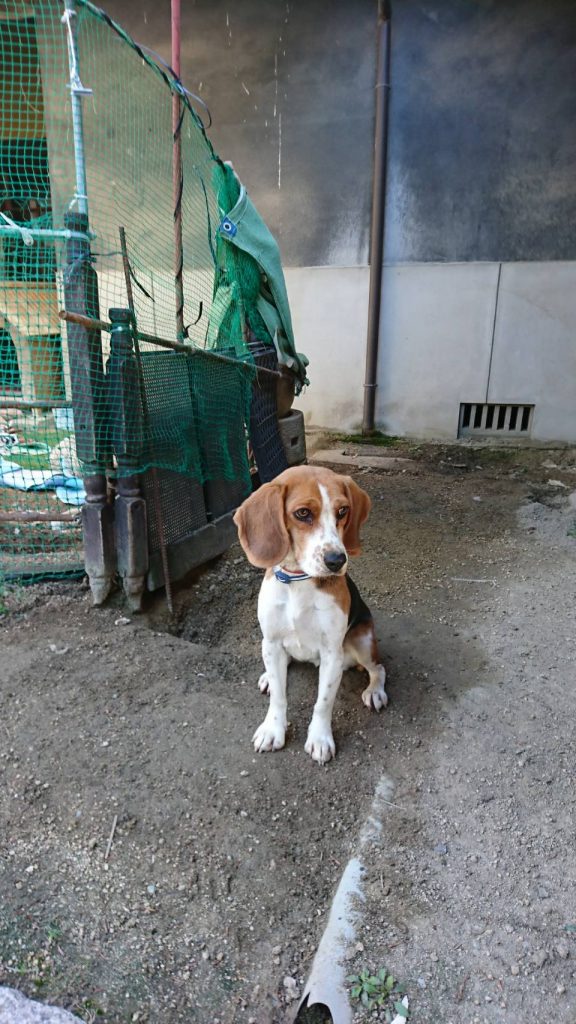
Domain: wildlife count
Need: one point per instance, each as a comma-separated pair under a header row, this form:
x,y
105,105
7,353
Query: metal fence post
x,y
125,410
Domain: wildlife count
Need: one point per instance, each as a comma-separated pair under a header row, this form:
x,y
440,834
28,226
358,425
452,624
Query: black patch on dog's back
x,y
359,610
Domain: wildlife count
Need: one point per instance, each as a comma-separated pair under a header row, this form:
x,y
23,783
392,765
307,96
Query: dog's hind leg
x,y
360,648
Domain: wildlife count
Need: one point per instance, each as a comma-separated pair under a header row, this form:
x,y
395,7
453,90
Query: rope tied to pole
x,y
75,81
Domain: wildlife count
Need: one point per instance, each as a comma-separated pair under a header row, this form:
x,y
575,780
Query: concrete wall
x,y
451,333
463,333
330,313
482,143
482,148
534,353
290,86
437,325
481,156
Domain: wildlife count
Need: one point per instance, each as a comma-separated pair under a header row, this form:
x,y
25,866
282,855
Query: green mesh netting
x,y
76,400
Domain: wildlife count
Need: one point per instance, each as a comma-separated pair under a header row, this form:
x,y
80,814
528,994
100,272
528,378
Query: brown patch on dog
x,y
261,528
338,588
360,505
363,638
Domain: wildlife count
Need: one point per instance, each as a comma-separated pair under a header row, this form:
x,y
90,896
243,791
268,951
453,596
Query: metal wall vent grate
x,y
488,420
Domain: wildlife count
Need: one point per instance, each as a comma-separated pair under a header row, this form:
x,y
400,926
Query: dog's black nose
x,y
334,560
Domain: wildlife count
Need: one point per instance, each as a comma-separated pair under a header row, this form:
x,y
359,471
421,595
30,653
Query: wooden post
x,y
89,405
126,425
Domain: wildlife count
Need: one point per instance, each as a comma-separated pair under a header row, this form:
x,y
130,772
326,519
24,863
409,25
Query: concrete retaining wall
x,y
451,333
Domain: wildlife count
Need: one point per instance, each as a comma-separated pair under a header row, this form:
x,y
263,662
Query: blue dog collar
x,y
285,576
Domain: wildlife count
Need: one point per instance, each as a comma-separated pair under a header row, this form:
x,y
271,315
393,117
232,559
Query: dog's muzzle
x,y
334,560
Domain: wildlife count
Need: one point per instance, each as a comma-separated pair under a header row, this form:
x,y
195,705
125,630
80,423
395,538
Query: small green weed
x,y
10,594
35,964
378,991
36,967
489,454
88,1011
571,531
377,438
53,932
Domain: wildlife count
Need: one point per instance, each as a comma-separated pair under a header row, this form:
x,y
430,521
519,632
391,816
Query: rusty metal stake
x,y
176,346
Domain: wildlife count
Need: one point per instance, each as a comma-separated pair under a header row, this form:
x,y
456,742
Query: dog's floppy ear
x,y
261,528
360,505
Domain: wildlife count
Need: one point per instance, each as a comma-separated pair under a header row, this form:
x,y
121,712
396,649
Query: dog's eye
x,y
304,514
342,512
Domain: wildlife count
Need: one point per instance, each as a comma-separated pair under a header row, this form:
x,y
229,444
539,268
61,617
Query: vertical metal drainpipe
x,y
378,213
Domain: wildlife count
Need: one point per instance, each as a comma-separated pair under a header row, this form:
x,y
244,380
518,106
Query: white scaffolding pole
x,y
77,91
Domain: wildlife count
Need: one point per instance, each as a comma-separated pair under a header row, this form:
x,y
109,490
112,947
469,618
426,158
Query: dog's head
x,y
307,518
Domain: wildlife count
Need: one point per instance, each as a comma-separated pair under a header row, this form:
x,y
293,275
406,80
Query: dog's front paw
x,y
269,736
375,696
263,684
320,744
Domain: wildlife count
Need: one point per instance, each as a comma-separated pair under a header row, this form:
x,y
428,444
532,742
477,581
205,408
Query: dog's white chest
x,y
306,620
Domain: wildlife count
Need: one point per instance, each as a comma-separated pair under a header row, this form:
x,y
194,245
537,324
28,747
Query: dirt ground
x,y
216,884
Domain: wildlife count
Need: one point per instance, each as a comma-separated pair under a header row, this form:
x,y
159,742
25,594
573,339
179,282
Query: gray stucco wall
x,y
481,188
482,144
482,130
290,85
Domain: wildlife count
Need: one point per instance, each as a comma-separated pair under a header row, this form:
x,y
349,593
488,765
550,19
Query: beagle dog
x,y
302,528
